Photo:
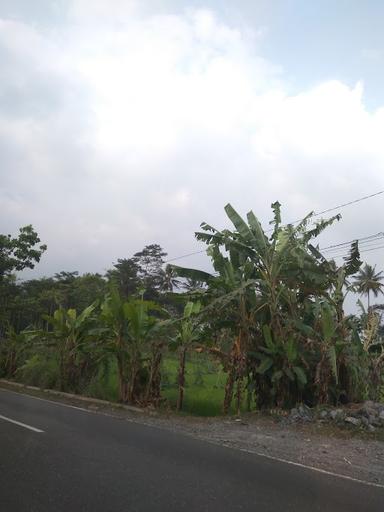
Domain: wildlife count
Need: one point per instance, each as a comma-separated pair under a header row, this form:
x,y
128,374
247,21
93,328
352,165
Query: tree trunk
x,y
131,387
181,377
239,395
123,387
153,387
229,387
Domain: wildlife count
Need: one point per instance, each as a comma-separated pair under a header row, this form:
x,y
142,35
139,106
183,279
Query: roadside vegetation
x,y
266,328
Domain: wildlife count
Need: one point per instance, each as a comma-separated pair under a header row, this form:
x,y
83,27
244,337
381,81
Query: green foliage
x,y
128,329
21,252
187,332
39,371
266,327
13,350
124,276
369,281
283,302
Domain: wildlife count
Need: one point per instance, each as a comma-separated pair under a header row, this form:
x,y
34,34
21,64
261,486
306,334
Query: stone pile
x,y
368,415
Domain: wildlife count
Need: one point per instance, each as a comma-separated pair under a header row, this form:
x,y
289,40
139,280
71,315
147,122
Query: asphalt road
x,y
82,461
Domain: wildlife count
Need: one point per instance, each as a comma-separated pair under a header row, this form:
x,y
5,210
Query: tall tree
x,y
20,252
170,281
150,262
369,281
124,275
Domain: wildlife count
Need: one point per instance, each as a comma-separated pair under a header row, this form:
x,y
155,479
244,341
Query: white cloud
x,y
122,129
102,11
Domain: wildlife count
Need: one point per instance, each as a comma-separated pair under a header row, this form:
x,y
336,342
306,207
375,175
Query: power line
x,y
349,203
374,248
364,239
335,255
364,250
185,255
330,250
316,214
362,245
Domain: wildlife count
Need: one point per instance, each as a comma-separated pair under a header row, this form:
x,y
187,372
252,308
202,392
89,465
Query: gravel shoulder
x,y
343,450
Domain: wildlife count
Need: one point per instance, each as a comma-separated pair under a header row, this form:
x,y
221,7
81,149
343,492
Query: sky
x,y
125,123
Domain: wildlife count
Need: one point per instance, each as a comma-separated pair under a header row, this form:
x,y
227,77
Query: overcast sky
x,y
126,122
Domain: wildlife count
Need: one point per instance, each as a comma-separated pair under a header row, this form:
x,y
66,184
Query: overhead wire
x,y
315,214
364,250
364,239
362,245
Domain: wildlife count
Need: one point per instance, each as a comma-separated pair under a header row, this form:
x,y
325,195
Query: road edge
x,y
72,396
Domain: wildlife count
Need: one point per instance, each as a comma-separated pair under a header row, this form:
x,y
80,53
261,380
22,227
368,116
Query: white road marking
x,y
49,401
312,468
29,427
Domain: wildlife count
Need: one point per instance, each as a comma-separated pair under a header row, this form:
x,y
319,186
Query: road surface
x,y
56,458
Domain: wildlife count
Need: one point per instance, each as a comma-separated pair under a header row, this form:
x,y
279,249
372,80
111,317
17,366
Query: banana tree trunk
x,y
237,372
229,386
62,366
239,391
181,377
123,386
153,387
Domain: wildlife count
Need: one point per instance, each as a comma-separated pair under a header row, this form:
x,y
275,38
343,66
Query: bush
x,y
103,384
39,371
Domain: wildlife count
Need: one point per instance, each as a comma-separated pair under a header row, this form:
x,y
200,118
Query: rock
x,y
368,409
375,421
336,414
323,414
353,421
300,413
381,415
371,428
364,421
305,412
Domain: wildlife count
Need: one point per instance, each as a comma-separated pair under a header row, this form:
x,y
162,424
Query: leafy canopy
x,y
20,252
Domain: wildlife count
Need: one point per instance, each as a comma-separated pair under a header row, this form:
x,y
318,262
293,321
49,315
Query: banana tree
x,y
284,367
229,301
12,348
129,326
70,333
187,332
265,280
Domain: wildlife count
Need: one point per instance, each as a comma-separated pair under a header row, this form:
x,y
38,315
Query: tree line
x,y
271,313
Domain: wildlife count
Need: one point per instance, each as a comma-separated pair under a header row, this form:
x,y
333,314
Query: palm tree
x,y
367,281
169,280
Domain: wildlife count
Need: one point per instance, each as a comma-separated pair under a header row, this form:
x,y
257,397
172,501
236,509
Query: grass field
x,y
204,390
